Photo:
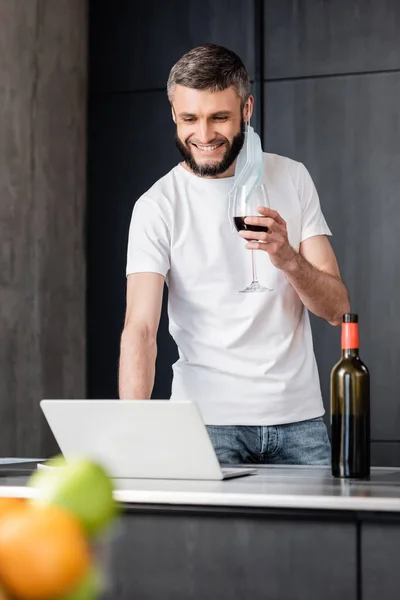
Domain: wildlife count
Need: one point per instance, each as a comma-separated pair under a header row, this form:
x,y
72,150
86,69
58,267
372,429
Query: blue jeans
x,y
302,443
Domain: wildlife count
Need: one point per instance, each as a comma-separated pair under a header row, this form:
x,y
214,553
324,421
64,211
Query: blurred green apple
x,y
80,486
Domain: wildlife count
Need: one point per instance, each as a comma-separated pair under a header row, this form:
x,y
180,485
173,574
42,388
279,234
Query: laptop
x,y
149,439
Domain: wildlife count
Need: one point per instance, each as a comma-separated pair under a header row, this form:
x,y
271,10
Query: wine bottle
x,y
350,408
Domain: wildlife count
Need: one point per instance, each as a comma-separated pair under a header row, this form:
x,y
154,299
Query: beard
x,y
212,169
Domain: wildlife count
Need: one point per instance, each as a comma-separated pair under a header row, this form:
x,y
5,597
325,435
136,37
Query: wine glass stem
x,y
253,266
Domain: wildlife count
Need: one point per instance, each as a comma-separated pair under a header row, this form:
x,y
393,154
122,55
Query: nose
x,y
205,132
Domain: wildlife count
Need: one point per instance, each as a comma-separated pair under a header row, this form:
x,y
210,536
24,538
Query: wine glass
x,y
245,202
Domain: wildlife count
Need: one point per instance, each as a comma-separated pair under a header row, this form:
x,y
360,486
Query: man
x,y
247,360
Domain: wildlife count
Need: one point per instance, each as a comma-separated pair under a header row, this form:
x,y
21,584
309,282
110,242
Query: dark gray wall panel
x,y
315,37
134,45
380,544
385,454
179,557
256,120
42,212
124,161
346,131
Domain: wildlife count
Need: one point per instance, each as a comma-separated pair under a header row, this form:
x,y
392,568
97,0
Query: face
x,y
210,129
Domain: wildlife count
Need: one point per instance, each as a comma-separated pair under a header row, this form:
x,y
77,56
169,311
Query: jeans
x,y
302,443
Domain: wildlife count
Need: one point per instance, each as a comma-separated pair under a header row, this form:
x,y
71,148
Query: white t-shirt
x,y
245,359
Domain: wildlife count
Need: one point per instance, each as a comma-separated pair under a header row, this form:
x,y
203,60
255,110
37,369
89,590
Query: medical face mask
x,y
249,167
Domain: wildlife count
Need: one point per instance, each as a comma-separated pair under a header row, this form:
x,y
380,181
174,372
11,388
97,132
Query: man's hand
x,y
274,241
313,272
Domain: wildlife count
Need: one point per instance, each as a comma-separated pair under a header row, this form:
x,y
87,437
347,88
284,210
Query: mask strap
x,y
230,203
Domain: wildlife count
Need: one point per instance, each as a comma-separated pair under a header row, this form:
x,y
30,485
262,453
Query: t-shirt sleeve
x,y
149,239
312,219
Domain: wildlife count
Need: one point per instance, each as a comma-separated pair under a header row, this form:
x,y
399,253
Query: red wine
x,y
240,224
350,408
350,446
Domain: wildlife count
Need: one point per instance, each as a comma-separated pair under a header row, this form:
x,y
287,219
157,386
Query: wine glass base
x,y
255,286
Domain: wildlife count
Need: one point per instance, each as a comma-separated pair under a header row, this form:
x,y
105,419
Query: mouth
x,y
208,147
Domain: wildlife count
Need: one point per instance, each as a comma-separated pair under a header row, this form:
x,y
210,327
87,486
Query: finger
x,y
253,235
260,221
273,214
278,235
257,246
269,247
266,240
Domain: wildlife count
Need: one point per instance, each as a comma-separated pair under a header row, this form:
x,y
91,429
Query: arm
x,y
139,337
313,272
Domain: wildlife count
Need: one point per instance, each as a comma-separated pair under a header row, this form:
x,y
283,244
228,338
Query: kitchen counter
x,y
271,487
285,533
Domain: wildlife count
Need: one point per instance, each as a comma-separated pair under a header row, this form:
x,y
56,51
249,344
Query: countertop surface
x,y
271,487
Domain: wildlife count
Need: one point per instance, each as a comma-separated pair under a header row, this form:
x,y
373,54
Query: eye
x,y
189,119
220,118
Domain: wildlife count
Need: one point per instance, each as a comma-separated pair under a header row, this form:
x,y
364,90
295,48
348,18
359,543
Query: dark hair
x,y
210,67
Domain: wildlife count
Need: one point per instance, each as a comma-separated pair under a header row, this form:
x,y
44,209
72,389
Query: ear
x,y
248,108
173,114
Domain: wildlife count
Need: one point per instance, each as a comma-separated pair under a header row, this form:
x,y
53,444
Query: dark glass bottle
x,y
350,408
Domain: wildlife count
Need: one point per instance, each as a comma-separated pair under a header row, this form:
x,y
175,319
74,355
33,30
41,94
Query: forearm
x,y
324,295
137,365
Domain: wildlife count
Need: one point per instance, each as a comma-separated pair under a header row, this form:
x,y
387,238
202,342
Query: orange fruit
x,y
88,589
8,505
3,595
43,552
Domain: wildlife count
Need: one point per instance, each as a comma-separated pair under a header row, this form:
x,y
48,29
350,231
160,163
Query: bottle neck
x,y
350,341
350,352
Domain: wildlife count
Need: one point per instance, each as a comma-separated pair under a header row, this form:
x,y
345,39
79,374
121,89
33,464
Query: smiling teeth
x,y
208,148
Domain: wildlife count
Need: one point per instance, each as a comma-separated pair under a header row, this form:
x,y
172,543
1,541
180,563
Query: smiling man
x,y
207,157
247,360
